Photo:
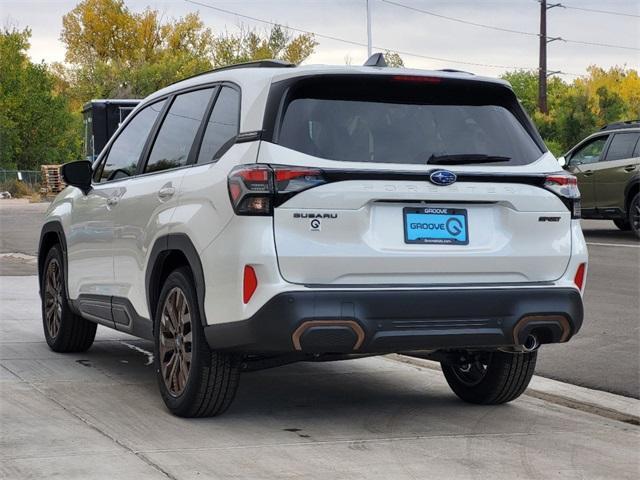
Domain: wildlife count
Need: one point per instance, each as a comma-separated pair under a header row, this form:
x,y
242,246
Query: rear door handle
x,y
587,173
629,168
113,201
166,192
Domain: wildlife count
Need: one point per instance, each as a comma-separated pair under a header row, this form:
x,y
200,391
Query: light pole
x,y
369,48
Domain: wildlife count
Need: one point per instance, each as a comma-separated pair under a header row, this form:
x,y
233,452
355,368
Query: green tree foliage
x,y
249,45
36,125
579,108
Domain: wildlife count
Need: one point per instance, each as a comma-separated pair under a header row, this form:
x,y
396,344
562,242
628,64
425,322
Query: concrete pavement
x,y
99,415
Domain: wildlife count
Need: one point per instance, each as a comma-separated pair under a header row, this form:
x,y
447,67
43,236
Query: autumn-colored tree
x,y
250,44
115,52
393,59
36,125
579,108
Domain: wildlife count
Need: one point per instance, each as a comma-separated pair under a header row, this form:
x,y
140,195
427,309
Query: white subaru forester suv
x,y
267,213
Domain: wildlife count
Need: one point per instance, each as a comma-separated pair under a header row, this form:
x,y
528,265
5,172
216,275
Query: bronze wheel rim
x,y
53,298
175,342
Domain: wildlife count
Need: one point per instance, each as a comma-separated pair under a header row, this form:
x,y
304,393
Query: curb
x,y
604,404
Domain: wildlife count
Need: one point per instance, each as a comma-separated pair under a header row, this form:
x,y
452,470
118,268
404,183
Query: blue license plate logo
x,y
446,226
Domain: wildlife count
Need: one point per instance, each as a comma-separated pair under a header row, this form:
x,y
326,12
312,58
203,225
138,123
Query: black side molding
x,y
114,312
164,246
53,227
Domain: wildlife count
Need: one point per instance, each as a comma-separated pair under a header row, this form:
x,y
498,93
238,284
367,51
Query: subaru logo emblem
x,y
442,177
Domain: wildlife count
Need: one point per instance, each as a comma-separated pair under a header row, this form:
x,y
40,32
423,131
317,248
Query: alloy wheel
x,y
53,298
635,214
175,342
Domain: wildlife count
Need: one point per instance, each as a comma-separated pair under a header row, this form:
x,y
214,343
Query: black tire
x,y
505,377
64,330
623,225
634,214
211,380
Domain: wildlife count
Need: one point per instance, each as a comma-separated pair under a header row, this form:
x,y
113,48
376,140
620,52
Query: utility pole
x,y
369,47
542,69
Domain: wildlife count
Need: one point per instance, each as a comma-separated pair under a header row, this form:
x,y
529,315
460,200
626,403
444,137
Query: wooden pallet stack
x,y
52,182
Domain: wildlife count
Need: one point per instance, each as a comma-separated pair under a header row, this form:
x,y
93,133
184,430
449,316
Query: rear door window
x,y
178,131
222,126
407,121
622,146
124,154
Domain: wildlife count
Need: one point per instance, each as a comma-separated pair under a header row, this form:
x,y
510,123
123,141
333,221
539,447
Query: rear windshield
x,y
407,121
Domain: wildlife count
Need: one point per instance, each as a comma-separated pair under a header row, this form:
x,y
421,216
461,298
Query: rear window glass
x,y
404,123
622,146
178,130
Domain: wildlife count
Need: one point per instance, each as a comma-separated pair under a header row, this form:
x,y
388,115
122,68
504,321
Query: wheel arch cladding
x,y
168,253
50,235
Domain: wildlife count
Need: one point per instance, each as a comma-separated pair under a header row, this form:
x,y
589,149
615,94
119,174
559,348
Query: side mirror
x,y
562,161
78,174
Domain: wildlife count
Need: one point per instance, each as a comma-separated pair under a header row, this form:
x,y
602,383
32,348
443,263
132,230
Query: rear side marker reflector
x,y
580,276
249,284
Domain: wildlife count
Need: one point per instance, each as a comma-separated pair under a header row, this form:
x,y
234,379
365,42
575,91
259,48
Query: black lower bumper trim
x,y
402,320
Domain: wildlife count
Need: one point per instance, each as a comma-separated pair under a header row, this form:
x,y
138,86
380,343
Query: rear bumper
x,y
402,320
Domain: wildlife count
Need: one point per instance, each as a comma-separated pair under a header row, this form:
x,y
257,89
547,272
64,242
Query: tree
x,y
36,125
113,51
249,45
393,59
578,109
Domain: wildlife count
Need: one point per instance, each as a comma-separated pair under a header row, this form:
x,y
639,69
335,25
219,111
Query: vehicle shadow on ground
x,y
331,394
596,234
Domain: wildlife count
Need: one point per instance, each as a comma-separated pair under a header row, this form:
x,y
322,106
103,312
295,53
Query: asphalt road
x,y
99,415
605,355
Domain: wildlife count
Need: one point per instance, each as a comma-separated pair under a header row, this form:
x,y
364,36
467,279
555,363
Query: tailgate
x,y
353,233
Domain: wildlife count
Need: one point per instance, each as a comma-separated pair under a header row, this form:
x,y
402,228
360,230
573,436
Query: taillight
x,y
580,276
250,189
249,283
257,189
566,187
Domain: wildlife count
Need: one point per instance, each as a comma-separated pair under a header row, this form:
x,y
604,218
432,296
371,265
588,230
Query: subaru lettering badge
x,y
442,177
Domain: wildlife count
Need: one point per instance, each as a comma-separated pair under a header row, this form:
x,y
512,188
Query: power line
x,y
606,12
362,44
501,29
459,20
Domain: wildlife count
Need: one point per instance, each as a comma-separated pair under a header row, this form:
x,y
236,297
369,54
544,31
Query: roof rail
x,y
270,63
625,124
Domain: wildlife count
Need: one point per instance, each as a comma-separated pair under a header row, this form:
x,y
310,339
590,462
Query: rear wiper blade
x,y
465,159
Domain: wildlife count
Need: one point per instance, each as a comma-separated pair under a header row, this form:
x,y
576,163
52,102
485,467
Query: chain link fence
x,y
32,178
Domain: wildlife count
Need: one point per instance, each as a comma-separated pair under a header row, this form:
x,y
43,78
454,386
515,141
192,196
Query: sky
x,y
456,45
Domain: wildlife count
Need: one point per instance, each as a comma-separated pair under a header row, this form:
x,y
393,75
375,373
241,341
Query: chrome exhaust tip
x,y
531,343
